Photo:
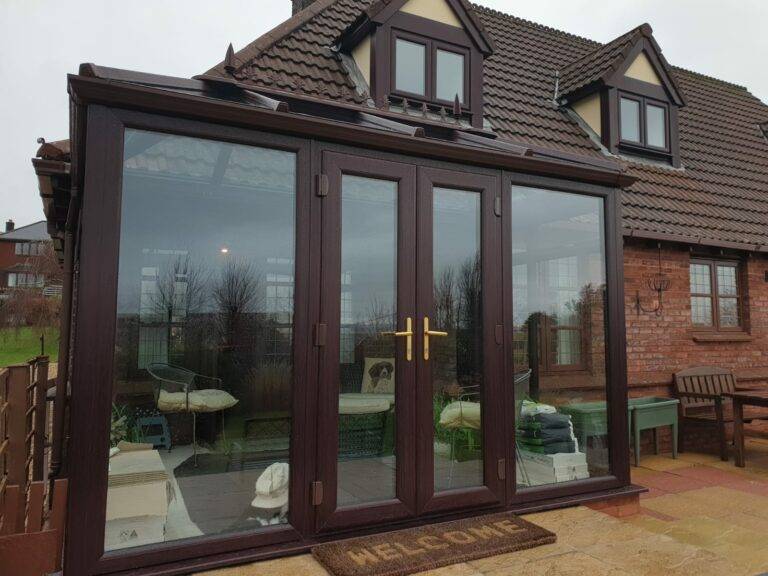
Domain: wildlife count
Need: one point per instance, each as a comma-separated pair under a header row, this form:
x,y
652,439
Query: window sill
x,y
705,337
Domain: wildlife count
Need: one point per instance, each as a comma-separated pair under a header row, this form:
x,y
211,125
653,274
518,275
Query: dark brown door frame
x,y
492,493
93,354
329,517
616,370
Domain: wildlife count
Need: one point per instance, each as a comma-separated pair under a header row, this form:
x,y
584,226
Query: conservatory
x,y
290,320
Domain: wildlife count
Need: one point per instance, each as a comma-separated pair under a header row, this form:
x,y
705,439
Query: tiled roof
x,y
30,232
721,193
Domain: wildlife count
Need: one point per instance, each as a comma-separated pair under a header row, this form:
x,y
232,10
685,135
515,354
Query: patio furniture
x,y
705,399
651,413
176,390
741,399
362,426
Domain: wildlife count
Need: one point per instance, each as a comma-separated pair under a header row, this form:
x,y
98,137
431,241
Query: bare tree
x,y
236,294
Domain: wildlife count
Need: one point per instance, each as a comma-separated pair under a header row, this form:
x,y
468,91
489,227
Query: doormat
x,y
433,546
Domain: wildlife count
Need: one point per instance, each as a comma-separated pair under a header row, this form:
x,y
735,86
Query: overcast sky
x,y
43,40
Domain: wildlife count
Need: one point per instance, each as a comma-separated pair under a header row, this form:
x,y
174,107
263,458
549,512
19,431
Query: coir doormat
x,y
429,547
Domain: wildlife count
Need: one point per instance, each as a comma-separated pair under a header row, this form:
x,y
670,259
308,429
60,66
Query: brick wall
x,y
659,345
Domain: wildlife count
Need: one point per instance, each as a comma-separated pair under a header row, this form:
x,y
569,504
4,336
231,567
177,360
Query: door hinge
x,y
502,469
317,493
321,330
499,334
322,185
497,206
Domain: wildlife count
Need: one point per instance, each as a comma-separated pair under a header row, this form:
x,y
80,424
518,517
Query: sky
x,y
41,41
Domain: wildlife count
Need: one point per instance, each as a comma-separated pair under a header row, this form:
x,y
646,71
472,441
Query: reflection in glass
x,y
558,279
410,62
450,75
457,359
656,129
199,440
366,460
630,120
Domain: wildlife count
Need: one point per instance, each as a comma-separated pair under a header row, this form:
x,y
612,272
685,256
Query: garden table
x,y
740,399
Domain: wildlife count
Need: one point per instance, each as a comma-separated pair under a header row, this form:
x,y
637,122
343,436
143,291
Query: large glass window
x,y
559,303
450,76
201,413
410,66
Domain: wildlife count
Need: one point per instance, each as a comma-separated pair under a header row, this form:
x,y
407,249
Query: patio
x,y
701,516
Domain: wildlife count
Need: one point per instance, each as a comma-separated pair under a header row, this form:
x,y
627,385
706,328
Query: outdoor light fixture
x,y
659,283
225,250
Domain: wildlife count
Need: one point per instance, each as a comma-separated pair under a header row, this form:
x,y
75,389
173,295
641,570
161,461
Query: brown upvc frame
x,y
712,264
93,359
616,369
93,353
492,490
329,517
642,146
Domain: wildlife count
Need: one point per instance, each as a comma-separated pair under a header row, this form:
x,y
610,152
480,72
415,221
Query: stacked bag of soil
x,y
547,434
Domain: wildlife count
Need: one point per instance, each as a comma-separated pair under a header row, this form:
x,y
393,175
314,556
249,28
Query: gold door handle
x,y
427,334
408,335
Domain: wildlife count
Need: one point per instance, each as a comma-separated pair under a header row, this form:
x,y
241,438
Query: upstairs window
x,y
643,123
430,71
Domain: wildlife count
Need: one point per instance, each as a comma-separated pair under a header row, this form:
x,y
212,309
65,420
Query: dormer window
x,y
643,122
421,56
626,94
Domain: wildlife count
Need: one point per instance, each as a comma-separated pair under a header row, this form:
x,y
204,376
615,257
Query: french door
x,y
409,396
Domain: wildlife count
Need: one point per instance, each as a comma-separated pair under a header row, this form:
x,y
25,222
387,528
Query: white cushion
x,y
461,414
199,401
349,405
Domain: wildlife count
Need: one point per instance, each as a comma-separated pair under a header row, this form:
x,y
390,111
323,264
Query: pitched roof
x,y
720,195
31,232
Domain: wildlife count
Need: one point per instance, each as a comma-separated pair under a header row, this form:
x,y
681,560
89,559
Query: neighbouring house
x,y
21,250
395,260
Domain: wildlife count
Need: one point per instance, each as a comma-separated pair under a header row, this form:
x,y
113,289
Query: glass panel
x,y
726,280
630,120
701,281
729,312
701,310
558,264
656,128
457,359
450,76
199,439
410,62
366,464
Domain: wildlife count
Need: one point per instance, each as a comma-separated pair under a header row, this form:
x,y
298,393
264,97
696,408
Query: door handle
x,y
427,334
408,335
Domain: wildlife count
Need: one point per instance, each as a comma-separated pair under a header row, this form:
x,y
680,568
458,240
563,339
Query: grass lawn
x,y
21,344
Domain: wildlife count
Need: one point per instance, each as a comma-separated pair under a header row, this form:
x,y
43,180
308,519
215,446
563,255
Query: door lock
x,y
408,335
427,334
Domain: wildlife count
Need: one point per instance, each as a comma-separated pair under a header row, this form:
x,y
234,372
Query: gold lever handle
x,y
427,334
408,335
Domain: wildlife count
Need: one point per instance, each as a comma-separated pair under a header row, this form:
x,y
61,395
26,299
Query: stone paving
x,y
700,517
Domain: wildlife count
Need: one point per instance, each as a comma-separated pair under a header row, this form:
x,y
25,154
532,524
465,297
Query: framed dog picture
x,y
378,376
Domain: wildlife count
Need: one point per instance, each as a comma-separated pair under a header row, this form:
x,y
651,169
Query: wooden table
x,y
740,399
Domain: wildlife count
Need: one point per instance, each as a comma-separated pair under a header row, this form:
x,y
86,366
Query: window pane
x,y
726,280
368,363
558,266
457,359
201,412
656,130
410,59
630,120
701,310
450,76
729,312
701,281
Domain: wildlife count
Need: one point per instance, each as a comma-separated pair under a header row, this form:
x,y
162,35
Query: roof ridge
x,y
711,78
22,227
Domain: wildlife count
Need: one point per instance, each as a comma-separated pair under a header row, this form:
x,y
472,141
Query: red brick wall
x,y
658,346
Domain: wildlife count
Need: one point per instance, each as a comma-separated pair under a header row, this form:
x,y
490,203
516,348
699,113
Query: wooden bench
x,y
702,393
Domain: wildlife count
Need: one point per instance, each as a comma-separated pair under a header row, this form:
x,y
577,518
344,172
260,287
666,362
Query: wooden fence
x,y
32,510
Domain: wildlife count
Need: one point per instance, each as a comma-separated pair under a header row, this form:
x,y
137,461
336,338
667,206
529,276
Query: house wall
x,y
659,346
437,10
642,69
589,110
7,259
